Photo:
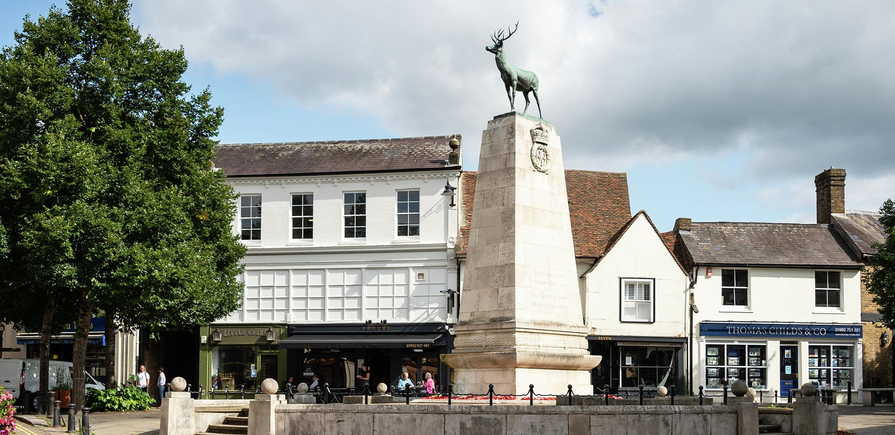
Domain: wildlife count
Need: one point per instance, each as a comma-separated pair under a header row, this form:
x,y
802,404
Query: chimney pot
x,y
830,192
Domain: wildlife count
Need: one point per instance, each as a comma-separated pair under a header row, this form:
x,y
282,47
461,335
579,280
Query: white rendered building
x,y
350,260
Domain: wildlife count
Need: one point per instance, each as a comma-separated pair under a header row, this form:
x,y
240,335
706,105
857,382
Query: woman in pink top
x,y
430,384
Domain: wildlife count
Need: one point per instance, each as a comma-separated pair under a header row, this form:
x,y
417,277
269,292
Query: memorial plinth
x,y
521,320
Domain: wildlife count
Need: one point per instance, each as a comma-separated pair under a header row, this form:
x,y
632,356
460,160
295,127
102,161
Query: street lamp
x,y
270,337
216,336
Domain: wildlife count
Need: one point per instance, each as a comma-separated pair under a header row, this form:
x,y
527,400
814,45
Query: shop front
x,y
776,358
631,362
334,354
62,345
238,358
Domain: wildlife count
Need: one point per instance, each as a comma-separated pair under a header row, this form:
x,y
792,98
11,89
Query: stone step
x,y
227,428
243,421
244,412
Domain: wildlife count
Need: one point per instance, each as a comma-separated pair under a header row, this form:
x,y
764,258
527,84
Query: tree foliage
x,y
880,278
108,197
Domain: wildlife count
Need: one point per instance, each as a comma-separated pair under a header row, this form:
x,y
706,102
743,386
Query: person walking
x,y
143,378
162,384
363,379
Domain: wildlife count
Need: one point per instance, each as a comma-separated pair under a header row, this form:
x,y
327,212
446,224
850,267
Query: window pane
x,y
414,219
414,195
360,209
361,232
361,221
349,198
820,279
296,234
402,230
402,219
833,298
646,291
360,197
245,201
727,296
833,280
727,278
349,209
742,297
414,231
414,207
742,278
350,221
402,195
820,298
402,207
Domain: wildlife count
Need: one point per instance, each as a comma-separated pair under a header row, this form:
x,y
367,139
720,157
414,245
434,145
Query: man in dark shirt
x,y
363,379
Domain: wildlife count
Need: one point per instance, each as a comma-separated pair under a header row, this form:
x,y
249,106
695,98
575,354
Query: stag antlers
x,y
498,37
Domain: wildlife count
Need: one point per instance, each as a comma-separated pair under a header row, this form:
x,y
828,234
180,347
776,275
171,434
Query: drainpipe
x,y
691,309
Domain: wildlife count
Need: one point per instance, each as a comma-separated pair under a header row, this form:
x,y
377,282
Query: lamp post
x,y
449,190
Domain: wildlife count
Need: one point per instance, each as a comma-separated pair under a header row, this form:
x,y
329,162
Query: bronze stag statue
x,y
514,79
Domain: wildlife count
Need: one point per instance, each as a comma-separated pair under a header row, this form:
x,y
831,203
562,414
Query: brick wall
x,y
877,359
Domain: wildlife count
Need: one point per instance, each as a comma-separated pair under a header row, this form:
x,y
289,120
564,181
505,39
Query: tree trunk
x,y
46,329
111,334
79,354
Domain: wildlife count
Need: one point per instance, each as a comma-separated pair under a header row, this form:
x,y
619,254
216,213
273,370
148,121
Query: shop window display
x,y
730,362
830,366
647,366
235,368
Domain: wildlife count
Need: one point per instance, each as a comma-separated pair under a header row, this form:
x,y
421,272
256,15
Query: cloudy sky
x,y
717,110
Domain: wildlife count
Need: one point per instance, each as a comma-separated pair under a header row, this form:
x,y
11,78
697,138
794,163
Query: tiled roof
x,y
305,158
598,207
765,244
861,230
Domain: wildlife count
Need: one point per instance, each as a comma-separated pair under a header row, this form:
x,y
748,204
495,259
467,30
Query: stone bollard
x,y
262,410
177,417
810,416
301,396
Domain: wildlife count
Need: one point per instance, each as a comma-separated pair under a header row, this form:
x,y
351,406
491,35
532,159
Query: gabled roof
x,y
766,244
663,238
861,230
335,157
598,207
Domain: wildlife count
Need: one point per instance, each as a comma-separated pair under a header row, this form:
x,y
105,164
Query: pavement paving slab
x,y
101,423
877,420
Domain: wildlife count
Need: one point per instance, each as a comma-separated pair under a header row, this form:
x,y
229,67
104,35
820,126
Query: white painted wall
x,y
639,253
332,279
777,295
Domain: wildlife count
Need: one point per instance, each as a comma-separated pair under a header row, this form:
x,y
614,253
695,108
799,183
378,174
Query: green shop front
x,y
237,358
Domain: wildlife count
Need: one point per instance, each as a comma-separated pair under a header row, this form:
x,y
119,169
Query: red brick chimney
x,y
830,188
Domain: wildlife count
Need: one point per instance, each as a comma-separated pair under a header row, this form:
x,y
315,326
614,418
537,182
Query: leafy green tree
x,y
107,190
880,277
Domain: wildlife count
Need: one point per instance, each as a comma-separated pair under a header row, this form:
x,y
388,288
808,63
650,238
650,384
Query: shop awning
x,y
361,341
32,338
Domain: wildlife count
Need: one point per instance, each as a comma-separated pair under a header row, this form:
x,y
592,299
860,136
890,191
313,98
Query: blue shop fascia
x,y
777,357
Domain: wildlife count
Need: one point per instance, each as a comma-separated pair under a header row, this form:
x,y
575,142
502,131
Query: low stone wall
x,y
474,420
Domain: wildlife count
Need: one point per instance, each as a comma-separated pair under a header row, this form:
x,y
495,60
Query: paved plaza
x,y
879,420
106,423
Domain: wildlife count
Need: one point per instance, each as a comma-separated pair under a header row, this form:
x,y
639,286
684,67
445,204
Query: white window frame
x,y
293,216
827,290
830,367
355,215
736,288
408,213
725,366
623,301
259,217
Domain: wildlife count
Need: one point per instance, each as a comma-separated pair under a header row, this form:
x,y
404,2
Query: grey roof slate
x,y
345,156
767,244
862,230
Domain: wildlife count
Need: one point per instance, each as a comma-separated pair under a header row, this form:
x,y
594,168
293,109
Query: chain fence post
x,y
490,394
570,394
673,388
85,421
725,394
606,393
701,395
450,391
641,394
71,417
848,399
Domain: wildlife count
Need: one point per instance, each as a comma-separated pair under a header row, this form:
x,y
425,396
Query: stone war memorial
x,y
521,334
521,320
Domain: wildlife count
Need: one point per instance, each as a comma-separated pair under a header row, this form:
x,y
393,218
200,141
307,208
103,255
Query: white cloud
x,y
796,86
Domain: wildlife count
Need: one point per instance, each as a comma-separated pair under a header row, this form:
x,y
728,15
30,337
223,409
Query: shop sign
x,y
242,332
418,345
779,330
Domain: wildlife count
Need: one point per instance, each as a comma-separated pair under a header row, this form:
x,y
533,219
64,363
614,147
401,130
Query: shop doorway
x,y
269,367
789,369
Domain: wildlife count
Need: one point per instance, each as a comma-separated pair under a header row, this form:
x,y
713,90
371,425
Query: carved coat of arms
x,y
540,153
